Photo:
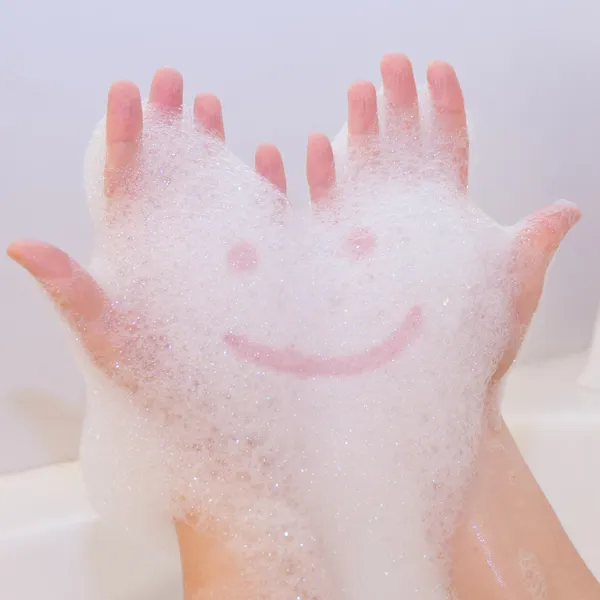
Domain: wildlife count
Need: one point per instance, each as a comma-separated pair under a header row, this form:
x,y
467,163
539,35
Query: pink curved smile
x,y
297,363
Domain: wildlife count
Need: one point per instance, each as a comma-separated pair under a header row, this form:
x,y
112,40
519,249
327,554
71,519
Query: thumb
x,y
71,288
538,239
73,291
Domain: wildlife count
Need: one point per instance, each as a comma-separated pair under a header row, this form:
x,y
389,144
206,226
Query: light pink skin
x,y
82,301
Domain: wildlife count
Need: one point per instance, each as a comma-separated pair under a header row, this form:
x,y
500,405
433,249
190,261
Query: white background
x,y
531,75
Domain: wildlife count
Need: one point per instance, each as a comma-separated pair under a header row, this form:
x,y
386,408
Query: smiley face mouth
x,y
291,361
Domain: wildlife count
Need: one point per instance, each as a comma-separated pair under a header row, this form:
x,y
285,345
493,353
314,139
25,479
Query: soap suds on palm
x,y
310,385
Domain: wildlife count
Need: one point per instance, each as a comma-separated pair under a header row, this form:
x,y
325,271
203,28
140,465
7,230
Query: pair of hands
x,y
85,306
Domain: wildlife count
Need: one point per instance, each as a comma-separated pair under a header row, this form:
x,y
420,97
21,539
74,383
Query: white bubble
x,y
313,384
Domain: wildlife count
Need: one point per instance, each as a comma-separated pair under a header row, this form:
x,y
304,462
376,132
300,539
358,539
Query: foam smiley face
x,y
204,252
319,375
275,346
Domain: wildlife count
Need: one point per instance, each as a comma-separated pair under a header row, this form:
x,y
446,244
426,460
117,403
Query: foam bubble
x,y
311,385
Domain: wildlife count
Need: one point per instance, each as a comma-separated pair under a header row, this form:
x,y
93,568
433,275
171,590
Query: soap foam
x,y
310,386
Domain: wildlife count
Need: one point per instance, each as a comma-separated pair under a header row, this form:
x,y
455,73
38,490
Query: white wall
x,y
530,71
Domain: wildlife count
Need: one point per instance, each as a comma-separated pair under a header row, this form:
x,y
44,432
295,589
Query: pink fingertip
x,y
42,260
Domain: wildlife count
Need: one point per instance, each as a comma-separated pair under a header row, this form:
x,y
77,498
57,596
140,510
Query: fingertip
x,y
267,154
392,64
400,92
72,289
362,96
166,90
361,86
319,147
208,112
439,68
168,73
320,166
553,222
43,261
208,103
558,223
12,251
268,163
123,112
123,130
569,212
362,102
446,92
123,90
539,237
450,118
167,78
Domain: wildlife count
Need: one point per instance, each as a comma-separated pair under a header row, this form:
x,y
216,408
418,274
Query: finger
x,y
363,124
71,288
320,167
123,131
208,113
539,237
73,291
537,242
269,164
400,92
166,91
450,117
82,303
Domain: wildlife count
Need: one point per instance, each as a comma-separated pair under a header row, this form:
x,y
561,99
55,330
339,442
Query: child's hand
x,y
73,290
541,233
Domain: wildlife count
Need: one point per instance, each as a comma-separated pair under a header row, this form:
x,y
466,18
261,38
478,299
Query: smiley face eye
x,y
360,243
242,258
